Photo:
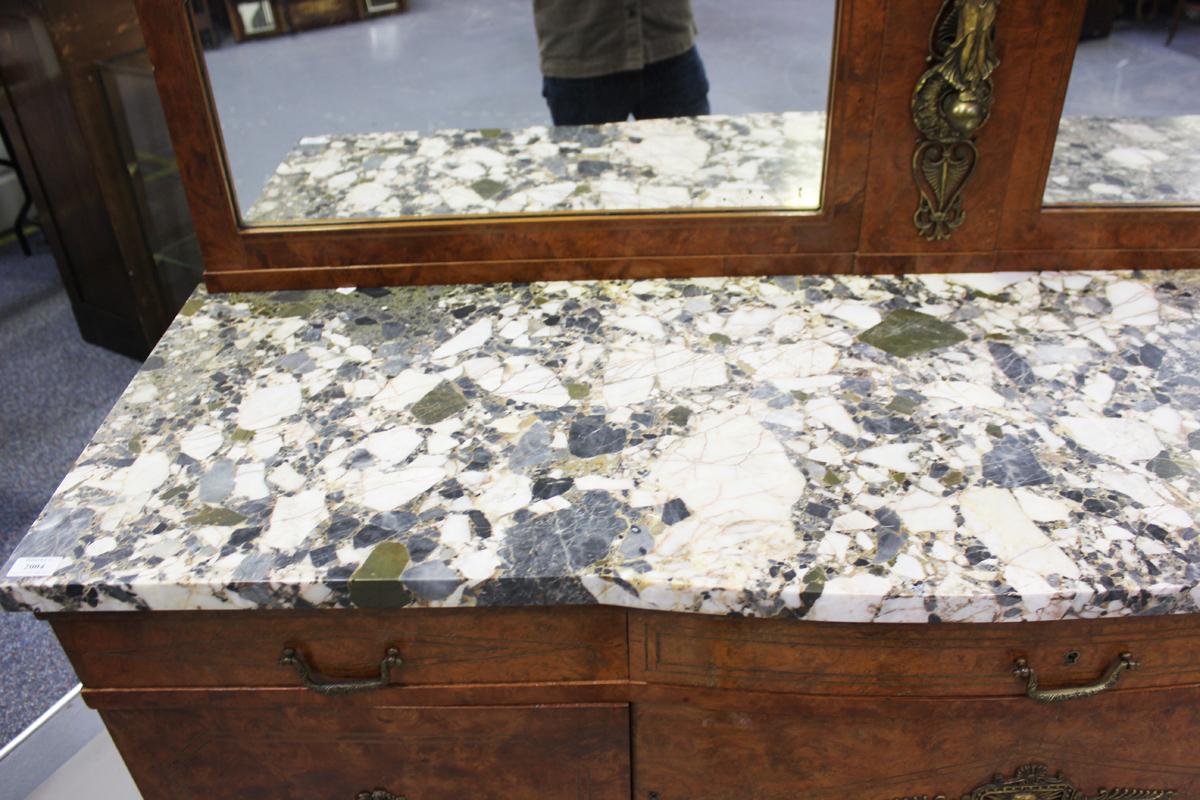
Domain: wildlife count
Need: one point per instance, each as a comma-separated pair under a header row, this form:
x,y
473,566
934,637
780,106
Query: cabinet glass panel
x,y
1130,129
439,108
154,180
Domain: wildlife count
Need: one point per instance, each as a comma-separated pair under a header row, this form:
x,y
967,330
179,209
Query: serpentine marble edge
x,y
991,447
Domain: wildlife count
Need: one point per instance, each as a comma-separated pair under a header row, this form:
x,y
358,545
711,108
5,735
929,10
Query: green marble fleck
x,y
814,584
994,431
376,584
191,307
441,402
1162,466
487,188
952,478
720,338
898,477
799,395
902,405
578,391
242,435
294,310
215,516
905,333
831,478
134,445
174,491
491,133
679,415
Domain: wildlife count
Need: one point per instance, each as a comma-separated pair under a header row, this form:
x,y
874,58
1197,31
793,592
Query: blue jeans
x,y
673,87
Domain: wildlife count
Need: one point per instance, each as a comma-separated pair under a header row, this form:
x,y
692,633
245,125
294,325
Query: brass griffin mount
x,y
952,101
1032,783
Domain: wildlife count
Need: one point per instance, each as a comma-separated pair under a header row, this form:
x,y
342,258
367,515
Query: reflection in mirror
x,y
1130,130
438,109
257,18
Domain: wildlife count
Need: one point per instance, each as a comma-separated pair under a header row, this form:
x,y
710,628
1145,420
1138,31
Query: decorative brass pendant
x,y
1032,783
952,101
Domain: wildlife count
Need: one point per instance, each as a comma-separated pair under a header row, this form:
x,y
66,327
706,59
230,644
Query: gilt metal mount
x,y
1032,783
952,101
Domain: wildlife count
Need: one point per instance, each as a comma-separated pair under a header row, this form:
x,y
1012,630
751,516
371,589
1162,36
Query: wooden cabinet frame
x,y
864,224
680,706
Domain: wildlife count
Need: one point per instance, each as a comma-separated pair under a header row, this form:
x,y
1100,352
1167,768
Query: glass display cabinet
x,y
141,133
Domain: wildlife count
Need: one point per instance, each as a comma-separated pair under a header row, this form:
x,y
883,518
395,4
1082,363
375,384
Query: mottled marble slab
x,y
993,447
1129,160
745,161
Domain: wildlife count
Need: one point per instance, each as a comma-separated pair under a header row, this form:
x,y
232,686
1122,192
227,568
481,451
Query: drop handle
x,y
1034,692
291,658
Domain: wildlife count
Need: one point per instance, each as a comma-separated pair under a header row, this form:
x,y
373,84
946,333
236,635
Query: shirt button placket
x,y
633,35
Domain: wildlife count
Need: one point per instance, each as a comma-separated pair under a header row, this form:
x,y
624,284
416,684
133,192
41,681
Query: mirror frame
x,y
864,224
475,249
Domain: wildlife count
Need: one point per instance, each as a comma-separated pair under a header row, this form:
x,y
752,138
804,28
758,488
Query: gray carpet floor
x,y
55,390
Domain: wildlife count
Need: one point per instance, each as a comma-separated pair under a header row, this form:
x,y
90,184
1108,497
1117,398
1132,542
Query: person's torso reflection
x,y
604,60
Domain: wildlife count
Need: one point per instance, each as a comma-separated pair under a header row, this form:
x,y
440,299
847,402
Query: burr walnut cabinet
x,y
599,702
606,702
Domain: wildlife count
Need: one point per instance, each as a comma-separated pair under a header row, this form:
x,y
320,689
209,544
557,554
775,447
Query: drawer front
x,y
434,646
937,660
415,754
880,749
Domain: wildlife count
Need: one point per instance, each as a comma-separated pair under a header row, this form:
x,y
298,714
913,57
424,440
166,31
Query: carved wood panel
x,y
437,646
337,753
872,749
948,660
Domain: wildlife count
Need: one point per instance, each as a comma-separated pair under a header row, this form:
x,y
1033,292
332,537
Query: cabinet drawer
x,y
938,660
880,748
435,646
512,753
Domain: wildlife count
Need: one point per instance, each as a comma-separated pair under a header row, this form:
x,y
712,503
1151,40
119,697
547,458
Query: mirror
x,y
435,108
1130,129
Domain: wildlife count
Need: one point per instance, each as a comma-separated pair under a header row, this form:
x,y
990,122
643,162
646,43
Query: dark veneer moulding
x,y
864,225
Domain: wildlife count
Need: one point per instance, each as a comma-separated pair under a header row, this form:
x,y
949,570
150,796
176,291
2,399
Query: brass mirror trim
x,y
291,658
952,101
1025,672
1032,783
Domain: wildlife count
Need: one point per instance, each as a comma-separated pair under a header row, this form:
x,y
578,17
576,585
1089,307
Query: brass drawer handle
x,y
291,658
1024,671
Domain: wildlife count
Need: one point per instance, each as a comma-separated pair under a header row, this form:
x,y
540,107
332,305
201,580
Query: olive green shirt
x,y
587,38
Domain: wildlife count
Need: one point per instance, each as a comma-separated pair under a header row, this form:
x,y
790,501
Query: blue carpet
x,y
55,390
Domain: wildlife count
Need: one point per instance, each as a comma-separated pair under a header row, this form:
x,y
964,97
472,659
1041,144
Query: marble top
x,y
991,447
743,161
1130,160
